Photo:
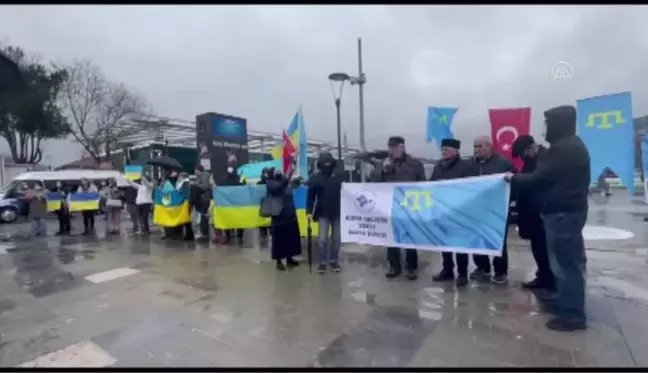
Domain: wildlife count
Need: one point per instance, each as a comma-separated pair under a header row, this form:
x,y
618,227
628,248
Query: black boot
x,y
292,263
443,276
392,273
280,266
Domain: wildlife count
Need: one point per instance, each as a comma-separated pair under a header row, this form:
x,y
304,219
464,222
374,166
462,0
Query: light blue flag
x,y
605,126
466,215
252,171
302,149
439,123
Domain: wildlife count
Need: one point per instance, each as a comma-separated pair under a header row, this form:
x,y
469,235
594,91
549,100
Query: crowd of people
x,y
551,193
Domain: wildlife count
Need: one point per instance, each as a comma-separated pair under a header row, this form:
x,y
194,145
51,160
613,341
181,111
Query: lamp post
x,y
360,80
338,78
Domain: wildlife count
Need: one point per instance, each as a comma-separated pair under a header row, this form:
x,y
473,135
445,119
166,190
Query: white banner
x,y
463,215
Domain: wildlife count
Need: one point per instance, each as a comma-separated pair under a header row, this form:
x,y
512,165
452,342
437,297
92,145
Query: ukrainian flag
x,y
83,201
171,207
133,172
237,207
54,200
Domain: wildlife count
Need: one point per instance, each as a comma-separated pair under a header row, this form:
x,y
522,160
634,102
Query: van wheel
x,y
8,214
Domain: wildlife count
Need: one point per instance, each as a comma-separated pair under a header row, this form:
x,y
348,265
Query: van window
x,y
15,190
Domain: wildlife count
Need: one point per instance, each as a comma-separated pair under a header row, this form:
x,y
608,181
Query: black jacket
x,y
404,169
454,168
562,177
528,202
495,164
324,196
278,188
232,179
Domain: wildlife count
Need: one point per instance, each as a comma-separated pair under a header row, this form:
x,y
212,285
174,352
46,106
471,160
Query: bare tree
x,y
99,110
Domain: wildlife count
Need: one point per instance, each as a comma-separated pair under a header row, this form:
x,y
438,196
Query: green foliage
x,y
32,114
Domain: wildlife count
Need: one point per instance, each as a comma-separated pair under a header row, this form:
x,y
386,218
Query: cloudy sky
x,y
262,62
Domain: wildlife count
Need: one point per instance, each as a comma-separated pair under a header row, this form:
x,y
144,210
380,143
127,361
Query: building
x,y
146,138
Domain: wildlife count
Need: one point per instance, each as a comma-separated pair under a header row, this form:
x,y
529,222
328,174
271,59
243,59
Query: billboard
x,y
221,139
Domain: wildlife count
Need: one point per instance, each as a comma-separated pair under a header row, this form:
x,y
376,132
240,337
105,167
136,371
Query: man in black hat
x,y
400,166
530,225
487,162
451,166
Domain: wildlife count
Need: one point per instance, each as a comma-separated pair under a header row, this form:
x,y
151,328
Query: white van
x,y
12,198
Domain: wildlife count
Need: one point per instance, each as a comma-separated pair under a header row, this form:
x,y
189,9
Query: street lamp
x,y
335,79
360,80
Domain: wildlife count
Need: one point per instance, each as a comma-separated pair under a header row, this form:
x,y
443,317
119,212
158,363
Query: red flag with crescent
x,y
288,153
506,126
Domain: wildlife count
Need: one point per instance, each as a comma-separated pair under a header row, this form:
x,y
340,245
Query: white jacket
x,y
144,192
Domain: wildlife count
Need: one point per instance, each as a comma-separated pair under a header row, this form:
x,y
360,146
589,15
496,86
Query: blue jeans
x,y
566,249
38,227
324,240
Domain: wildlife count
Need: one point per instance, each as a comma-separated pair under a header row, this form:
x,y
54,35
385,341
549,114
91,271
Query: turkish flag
x,y
506,126
288,153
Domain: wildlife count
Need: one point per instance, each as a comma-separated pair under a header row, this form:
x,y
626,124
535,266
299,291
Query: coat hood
x,y
325,158
560,122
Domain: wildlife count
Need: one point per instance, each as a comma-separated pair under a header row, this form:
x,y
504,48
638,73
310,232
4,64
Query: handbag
x,y
271,206
114,203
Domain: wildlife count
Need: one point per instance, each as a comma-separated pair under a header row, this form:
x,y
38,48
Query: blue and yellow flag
x,y
238,207
133,172
54,200
83,201
297,134
606,127
439,123
171,207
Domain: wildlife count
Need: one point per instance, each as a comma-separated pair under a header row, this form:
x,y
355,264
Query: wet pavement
x,y
130,301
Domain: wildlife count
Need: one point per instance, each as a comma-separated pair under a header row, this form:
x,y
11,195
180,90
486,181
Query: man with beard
x,y
562,180
323,206
487,162
451,166
530,225
400,166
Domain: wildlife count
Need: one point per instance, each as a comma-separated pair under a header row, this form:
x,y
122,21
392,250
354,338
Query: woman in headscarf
x,y
286,241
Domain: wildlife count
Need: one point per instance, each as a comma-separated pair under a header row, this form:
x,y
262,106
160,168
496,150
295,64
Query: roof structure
x,y
178,132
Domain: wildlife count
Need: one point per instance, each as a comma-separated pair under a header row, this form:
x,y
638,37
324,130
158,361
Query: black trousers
x,y
394,258
144,211
541,256
203,225
63,217
230,232
462,263
88,220
264,231
500,263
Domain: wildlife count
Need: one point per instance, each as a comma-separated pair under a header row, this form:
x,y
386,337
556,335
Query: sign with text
x,y
464,215
221,139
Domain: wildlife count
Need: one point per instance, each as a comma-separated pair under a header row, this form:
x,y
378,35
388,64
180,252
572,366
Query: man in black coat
x,y
530,225
487,162
323,206
562,181
451,166
400,166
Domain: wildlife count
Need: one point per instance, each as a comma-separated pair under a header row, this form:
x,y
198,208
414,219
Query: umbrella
x,y
309,246
10,76
165,162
